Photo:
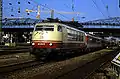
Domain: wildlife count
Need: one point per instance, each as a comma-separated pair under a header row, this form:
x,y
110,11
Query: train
x,y
59,38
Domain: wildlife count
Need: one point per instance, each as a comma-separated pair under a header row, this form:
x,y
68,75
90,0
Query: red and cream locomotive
x,y
56,37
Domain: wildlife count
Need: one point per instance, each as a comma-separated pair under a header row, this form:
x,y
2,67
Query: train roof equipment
x,y
74,24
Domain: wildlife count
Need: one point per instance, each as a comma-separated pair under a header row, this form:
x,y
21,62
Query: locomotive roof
x,y
70,23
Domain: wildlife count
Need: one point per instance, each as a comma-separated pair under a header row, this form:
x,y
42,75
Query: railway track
x,y
10,63
17,66
103,72
9,50
75,68
16,61
87,69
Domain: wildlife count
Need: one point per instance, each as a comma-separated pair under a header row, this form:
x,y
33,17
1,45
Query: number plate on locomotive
x,y
41,43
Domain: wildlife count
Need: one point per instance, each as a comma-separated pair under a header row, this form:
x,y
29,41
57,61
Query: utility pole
x,y
73,8
119,3
0,15
51,12
0,20
38,12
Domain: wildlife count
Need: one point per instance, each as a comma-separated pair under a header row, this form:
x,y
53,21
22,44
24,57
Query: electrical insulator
x,y
12,15
10,3
28,2
28,14
83,17
18,11
18,2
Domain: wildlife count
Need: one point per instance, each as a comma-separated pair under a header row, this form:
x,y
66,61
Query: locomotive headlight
x,y
50,44
33,43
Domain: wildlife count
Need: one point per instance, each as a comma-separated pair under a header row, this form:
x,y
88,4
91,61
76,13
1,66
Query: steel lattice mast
x,y
0,15
0,20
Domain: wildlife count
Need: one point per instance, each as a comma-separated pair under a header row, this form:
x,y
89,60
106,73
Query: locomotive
x,y
59,38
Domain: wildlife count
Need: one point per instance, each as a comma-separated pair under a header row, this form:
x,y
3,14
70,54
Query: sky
x,y
88,9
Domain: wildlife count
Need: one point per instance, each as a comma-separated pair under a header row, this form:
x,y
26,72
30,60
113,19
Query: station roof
x,y
19,21
111,21
28,22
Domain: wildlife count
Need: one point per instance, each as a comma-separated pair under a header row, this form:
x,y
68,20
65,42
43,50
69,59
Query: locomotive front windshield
x,y
44,28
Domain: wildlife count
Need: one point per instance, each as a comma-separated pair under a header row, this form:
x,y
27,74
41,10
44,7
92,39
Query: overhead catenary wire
x,y
26,3
30,3
73,5
50,9
13,9
98,8
106,7
77,17
33,7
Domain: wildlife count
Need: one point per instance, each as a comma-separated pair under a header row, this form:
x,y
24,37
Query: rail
x,y
18,65
77,69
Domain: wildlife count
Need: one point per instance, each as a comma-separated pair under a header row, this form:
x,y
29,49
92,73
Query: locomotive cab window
x,y
59,29
44,28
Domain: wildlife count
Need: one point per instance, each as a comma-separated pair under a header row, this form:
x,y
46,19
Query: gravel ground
x,y
15,58
105,72
54,69
16,55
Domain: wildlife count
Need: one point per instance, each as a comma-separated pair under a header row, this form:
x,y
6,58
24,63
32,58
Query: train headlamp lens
x,y
50,44
33,43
